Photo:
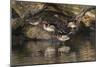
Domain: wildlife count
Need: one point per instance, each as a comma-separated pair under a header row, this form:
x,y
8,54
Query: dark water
x,y
28,52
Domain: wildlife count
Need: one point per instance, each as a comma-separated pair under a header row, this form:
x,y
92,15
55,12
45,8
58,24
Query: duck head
x,y
72,27
45,23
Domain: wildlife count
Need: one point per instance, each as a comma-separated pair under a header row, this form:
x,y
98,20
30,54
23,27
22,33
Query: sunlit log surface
x,y
32,44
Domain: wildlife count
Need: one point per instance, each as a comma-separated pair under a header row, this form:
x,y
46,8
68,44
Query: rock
x,y
15,23
89,18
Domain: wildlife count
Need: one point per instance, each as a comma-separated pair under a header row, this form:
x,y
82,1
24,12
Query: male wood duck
x,y
48,27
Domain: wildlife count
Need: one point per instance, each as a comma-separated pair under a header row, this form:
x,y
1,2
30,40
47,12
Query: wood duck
x,y
63,38
48,27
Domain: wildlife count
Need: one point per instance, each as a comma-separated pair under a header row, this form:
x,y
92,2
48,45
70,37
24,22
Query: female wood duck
x,y
63,38
48,27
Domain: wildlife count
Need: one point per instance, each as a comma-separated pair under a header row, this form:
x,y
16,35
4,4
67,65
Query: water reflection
x,y
47,51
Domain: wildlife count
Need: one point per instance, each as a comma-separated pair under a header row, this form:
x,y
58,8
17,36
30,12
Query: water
x,y
28,52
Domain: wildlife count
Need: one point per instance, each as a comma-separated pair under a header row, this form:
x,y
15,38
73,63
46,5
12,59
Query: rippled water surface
x,y
27,52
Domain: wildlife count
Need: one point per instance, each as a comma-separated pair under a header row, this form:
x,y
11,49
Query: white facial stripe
x,y
72,25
